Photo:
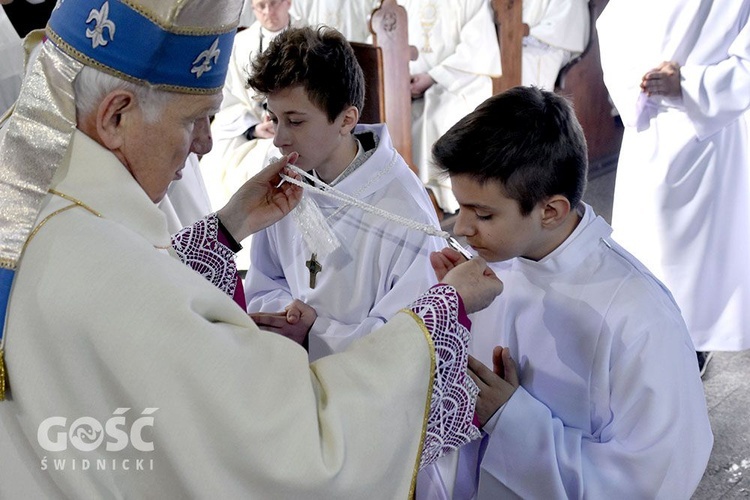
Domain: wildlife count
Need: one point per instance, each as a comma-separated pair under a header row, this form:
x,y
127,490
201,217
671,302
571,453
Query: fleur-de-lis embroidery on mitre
x,y
210,53
102,23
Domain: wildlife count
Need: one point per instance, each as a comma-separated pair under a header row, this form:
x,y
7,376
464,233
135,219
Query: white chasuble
x,y
132,376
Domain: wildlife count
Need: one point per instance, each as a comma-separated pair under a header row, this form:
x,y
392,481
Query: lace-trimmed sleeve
x,y
454,393
199,247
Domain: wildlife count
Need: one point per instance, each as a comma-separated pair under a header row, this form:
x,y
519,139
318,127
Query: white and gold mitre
x,y
174,45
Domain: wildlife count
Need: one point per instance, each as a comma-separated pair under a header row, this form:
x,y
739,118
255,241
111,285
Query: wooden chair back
x,y
370,57
582,82
386,67
510,32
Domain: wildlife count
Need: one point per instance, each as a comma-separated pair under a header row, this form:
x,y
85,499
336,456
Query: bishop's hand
x,y
262,200
474,281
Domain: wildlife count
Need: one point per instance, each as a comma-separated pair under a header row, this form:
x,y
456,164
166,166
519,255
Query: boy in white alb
x,y
604,399
314,88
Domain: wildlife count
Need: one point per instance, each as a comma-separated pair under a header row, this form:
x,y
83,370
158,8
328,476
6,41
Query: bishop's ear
x,y
555,211
113,117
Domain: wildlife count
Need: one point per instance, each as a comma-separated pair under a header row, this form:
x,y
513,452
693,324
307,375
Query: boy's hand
x,y
445,260
475,283
293,323
496,386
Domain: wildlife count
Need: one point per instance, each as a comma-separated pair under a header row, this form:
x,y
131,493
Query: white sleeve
x,y
717,94
266,287
654,446
564,24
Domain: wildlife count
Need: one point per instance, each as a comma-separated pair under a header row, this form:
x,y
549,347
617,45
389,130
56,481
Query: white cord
x,y
334,193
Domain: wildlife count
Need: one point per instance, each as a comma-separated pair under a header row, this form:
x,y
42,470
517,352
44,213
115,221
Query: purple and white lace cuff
x,y
451,420
199,247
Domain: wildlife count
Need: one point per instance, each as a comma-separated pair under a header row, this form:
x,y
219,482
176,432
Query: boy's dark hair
x,y
526,138
320,60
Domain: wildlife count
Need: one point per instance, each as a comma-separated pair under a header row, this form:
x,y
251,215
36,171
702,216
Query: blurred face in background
x,y
273,15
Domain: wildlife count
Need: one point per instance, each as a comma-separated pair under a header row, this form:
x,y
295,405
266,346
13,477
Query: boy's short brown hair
x,y
526,138
320,60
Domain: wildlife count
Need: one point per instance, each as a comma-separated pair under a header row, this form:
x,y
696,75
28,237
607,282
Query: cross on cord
x,y
314,267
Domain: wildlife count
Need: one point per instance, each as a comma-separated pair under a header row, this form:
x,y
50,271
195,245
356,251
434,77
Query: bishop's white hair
x,y
91,85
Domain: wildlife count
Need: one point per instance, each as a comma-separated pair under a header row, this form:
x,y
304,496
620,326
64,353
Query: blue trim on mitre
x,y
6,282
112,34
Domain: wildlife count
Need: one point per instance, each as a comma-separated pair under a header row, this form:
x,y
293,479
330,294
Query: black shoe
x,y
703,359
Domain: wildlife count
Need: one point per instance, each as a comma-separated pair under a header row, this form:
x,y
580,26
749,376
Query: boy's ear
x,y
109,117
351,117
555,211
